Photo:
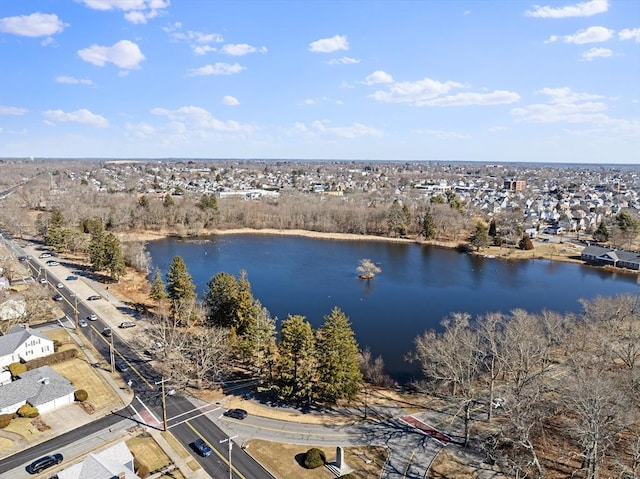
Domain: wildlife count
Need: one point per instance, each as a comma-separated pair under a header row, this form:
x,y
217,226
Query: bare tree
x,y
367,269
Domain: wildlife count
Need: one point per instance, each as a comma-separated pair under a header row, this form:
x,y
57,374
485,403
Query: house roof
x,y
105,464
38,386
611,254
17,336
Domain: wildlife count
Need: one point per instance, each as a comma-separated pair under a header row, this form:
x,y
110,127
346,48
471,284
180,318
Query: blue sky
x,y
390,80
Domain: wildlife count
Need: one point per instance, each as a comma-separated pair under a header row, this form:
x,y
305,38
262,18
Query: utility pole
x,y
229,440
164,403
76,310
112,358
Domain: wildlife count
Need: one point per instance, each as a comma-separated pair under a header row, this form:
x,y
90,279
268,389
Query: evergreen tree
x,y
429,229
158,288
295,365
396,219
258,344
480,237
180,290
221,300
97,251
339,375
113,255
601,234
493,228
55,235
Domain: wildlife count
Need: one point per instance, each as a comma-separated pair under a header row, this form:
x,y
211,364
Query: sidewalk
x,y
176,458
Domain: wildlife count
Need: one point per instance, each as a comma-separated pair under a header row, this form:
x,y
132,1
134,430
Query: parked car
x,y
53,263
127,324
121,365
71,277
202,447
92,317
45,255
236,413
94,297
106,332
39,465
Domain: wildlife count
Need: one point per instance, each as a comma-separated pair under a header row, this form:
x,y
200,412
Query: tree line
x,y
298,365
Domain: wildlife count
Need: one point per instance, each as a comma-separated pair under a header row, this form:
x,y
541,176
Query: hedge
x,y
16,369
5,419
54,358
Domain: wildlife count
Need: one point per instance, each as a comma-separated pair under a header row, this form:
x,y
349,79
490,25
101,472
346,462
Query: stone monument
x,y
339,467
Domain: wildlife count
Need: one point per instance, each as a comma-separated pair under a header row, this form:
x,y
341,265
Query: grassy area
x,y
83,376
175,445
284,460
147,452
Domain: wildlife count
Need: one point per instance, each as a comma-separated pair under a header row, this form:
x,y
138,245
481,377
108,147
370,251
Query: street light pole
x,y
229,440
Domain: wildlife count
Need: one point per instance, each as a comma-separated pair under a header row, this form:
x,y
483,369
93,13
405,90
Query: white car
x,y
83,323
43,280
60,285
92,317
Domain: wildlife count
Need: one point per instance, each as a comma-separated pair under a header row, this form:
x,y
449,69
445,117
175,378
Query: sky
x,y
482,80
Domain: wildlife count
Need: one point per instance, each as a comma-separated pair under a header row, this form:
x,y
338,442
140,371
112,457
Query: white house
x,y
43,388
23,344
113,462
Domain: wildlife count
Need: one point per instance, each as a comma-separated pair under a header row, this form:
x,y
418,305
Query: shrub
x,y
313,458
16,369
526,243
81,395
27,410
5,419
54,358
143,471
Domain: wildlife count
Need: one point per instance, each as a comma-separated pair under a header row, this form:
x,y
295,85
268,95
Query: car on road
x,y
59,285
58,297
94,297
121,365
92,317
106,332
43,280
127,324
71,277
83,323
53,263
45,255
23,258
39,465
236,413
201,447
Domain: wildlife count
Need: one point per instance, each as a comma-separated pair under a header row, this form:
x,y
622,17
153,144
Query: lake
x,y
418,286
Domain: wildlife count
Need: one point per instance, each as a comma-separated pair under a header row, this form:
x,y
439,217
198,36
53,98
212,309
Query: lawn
x,y
147,451
83,376
282,460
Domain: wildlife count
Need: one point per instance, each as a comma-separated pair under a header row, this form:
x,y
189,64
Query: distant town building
x,y
514,185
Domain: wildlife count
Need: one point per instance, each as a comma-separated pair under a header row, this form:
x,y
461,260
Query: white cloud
x,y
123,54
136,11
34,25
498,97
216,69
630,34
442,134
551,39
12,110
378,77
564,105
343,61
72,80
596,53
584,9
323,128
240,49
83,116
203,49
198,120
329,45
590,35
199,42
230,100
414,92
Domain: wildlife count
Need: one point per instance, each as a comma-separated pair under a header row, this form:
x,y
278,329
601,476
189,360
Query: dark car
x,y
43,463
106,332
202,447
236,413
71,277
58,297
94,297
121,365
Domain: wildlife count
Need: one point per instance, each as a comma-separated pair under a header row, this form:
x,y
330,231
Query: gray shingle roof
x,y
37,387
17,336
